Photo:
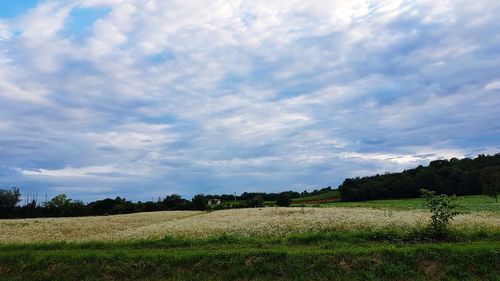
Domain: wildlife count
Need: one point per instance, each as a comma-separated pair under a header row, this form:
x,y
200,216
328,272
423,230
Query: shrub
x,y
442,208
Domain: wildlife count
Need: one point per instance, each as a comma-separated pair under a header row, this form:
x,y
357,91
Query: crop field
x,y
330,196
270,243
259,222
467,203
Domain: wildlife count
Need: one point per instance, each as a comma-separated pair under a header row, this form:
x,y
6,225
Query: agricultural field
x,y
251,222
323,197
269,243
468,203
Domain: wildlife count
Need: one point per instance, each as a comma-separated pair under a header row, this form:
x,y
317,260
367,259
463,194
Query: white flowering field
x,y
259,222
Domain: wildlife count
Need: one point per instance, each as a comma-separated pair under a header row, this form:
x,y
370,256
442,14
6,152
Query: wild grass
x,y
301,257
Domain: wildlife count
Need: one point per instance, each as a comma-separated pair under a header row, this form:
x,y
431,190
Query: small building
x,y
214,201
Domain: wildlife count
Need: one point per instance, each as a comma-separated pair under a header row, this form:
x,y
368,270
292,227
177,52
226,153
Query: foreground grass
x,y
367,255
468,203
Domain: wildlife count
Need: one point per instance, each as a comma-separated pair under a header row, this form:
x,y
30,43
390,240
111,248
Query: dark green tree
x,y
173,202
9,198
490,182
59,205
256,201
454,176
283,200
199,202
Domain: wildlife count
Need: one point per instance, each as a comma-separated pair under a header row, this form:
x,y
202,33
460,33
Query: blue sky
x,y
141,98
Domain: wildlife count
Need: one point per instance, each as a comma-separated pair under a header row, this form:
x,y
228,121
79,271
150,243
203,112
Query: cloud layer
x,y
144,98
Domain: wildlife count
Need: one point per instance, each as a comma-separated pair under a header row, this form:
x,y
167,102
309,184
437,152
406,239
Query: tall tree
x,y
199,202
9,198
490,181
60,205
256,201
283,200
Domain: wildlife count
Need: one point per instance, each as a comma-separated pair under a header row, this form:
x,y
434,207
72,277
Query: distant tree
x,y
101,207
283,200
9,198
454,176
490,182
199,202
59,201
172,201
59,205
76,208
256,201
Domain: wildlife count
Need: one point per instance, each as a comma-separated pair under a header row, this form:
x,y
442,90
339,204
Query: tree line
x,y
454,176
467,176
62,206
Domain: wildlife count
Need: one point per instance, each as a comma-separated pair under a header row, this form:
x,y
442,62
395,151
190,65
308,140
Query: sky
x,y
144,98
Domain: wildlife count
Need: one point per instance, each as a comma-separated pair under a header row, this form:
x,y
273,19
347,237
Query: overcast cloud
x,y
144,98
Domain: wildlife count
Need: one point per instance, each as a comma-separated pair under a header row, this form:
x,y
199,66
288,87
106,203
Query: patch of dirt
x,y
344,265
252,261
429,267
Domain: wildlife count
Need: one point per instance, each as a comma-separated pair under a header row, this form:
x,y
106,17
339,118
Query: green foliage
x,y
61,205
320,196
490,181
454,176
442,208
110,206
472,203
59,202
200,202
173,202
9,198
283,200
256,201
306,257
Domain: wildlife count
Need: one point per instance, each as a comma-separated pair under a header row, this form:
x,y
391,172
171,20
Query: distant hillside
x,y
325,196
454,176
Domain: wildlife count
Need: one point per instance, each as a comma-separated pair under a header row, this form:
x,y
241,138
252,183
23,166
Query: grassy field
x,y
318,197
376,241
468,203
335,256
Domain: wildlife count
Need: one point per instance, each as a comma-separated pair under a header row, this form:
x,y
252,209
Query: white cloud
x,y
43,22
72,172
133,136
4,32
420,155
14,88
82,189
269,93
495,85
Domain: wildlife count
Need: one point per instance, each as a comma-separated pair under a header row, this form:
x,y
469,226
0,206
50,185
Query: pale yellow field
x,y
244,222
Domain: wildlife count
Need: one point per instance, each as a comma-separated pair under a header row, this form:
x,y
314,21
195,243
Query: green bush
x,y
442,208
